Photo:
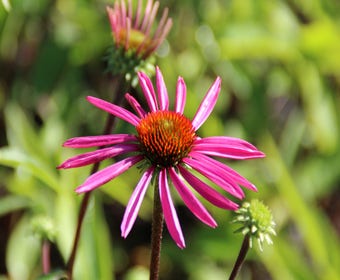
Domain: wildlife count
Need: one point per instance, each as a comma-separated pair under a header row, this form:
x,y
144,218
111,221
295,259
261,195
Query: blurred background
x,y
280,65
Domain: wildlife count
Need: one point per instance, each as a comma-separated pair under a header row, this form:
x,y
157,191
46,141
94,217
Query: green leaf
x,y
306,217
65,221
12,203
15,158
95,252
20,132
22,251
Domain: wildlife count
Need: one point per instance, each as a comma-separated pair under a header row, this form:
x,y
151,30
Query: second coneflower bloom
x,y
137,32
165,143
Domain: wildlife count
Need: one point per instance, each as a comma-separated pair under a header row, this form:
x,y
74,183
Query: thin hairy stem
x,y
241,257
156,235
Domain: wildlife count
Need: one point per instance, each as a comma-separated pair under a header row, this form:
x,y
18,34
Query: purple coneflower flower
x,y
135,32
167,144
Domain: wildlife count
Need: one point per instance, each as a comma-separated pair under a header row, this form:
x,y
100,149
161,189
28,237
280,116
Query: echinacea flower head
x,y
136,35
256,221
166,145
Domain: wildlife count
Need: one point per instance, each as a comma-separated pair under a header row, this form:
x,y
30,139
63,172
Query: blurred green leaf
x,y
319,107
12,203
17,158
137,273
287,260
95,248
7,5
306,217
292,137
65,221
50,54
20,132
22,252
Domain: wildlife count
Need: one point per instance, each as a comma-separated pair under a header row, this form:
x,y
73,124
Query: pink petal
x,y
96,141
148,91
138,15
160,35
151,18
162,23
114,110
98,155
227,147
163,97
181,95
103,176
111,16
224,169
123,12
191,201
225,140
135,105
130,10
169,210
227,152
135,202
146,14
128,31
207,104
214,174
207,192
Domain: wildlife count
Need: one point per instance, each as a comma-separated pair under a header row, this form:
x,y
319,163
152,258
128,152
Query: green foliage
x,y
279,62
40,191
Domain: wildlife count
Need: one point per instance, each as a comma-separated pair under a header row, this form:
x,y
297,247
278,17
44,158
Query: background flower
x,y
136,35
134,32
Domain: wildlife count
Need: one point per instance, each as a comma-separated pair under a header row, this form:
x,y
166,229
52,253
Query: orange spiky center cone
x,y
165,137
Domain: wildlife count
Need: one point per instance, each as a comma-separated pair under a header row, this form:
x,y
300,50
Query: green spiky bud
x,y
257,222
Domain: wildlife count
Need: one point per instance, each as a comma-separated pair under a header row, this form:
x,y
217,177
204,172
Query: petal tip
x,y
81,189
181,245
141,75
212,224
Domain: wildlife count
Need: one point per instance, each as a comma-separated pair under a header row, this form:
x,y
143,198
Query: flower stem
x,y
110,121
241,257
156,235
46,264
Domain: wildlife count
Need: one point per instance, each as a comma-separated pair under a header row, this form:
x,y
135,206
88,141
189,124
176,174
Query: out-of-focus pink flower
x,y
137,32
170,150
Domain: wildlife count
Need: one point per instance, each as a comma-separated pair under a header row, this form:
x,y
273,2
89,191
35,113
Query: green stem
x,y
110,122
156,235
241,257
